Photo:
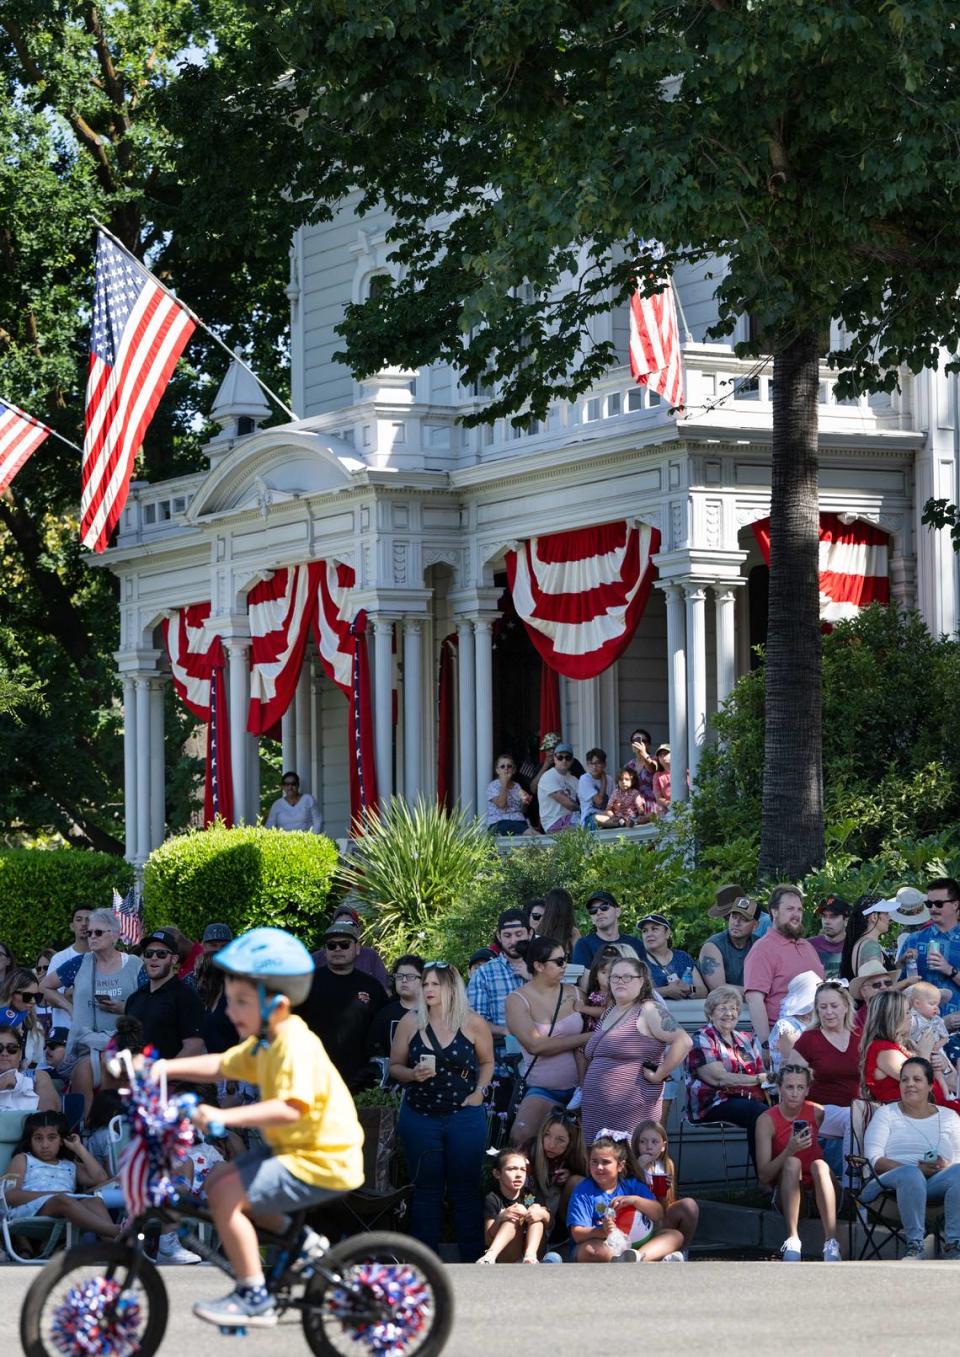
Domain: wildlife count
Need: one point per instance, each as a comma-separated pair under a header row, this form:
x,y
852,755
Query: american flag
x,y
135,1176
218,791
139,332
128,914
655,344
19,437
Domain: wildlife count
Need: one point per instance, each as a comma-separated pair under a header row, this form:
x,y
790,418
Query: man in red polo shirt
x,y
775,959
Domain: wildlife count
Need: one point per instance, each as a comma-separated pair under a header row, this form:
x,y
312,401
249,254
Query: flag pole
x,y
38,423
193,316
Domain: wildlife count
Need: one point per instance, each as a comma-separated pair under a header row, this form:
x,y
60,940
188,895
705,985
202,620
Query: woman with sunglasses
x,y
18,1008
22,1090
443,1056
543,1017
103,980
294,810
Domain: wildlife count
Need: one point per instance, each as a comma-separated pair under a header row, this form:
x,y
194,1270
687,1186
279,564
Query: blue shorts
x,y
560,1096
271,1187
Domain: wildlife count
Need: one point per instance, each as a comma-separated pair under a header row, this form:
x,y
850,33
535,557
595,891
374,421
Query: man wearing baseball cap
x,y
834,912
214,937
605,916
343,1002
722,955
169,1009
368,959
557,798
489,986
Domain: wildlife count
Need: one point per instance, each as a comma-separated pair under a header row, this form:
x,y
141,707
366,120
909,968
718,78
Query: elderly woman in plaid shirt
x,y
725,1071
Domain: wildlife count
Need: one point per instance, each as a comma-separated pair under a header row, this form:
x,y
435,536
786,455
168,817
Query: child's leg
x,y
826,1197
683,1216
531,1114
593,1251
505,1244
662,1243
85,1213
228,1206
533,1239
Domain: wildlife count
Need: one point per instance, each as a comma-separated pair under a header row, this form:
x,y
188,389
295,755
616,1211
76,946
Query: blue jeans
x,y
446,1151
914,1192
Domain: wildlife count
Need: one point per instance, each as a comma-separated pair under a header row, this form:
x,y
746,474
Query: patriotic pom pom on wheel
x,y
97,1320
406,1294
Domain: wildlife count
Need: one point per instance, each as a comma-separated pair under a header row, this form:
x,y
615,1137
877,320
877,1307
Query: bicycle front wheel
x,y
389,1295
99,1286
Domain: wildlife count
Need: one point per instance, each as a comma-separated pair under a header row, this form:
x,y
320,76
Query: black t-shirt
x,y
340,1009
495,1202
380,1036
169,1015
219,1033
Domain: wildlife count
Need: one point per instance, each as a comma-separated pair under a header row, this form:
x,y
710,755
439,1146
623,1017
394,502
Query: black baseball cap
x,y
834,904
162,936
482,954
603,898
516,917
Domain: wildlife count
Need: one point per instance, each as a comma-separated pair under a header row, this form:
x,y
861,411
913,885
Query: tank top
x,y
733,957
553,1071
783,1130
455,1079
60,1176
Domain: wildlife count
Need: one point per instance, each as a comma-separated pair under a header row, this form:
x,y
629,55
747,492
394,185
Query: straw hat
x,y
873,970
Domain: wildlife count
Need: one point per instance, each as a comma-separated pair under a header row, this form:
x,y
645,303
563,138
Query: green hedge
x,y
40,889
246,877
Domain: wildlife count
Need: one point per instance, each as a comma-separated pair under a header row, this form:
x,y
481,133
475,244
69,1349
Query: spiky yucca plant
x,y
413,866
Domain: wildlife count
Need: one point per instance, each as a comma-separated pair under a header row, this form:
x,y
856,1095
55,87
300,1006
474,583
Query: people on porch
x,y
558,793
723,954
644,765
661,780
293,809
506,800
594,789
626,806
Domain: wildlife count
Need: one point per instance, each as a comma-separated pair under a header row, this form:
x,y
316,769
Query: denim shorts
x,y
271,1187
560,1096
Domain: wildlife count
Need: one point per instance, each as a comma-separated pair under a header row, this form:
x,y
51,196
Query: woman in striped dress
x,y
630,1055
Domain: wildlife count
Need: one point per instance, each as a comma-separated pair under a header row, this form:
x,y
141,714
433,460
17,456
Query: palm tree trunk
x,y
791,837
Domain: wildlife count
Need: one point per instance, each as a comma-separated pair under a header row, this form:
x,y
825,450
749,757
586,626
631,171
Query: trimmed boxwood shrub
x,y
247,877
40,889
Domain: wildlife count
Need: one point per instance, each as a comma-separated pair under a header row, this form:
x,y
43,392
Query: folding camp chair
x,y
381,1203
878,1213
43,1228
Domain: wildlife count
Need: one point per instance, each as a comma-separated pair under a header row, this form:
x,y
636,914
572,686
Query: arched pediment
x,y
274,467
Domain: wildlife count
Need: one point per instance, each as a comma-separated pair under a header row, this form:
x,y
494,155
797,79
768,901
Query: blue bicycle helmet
x,y
274,959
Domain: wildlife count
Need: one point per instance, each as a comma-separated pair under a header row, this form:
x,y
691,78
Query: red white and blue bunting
x,y
854,565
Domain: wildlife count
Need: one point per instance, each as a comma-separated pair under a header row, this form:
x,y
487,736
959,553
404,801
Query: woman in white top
x,y
914,1147
294,810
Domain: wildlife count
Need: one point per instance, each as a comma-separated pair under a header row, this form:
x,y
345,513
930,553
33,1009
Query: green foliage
x,y
419,869
246,877
40,890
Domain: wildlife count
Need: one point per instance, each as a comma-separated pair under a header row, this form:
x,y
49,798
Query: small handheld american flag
x,y
129,916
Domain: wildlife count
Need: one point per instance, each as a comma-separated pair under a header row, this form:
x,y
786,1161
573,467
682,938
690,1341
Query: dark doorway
x,y
758,594
516,685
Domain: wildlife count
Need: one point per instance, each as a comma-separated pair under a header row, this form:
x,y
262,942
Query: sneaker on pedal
x,y
239,1310
172,1253
312,1248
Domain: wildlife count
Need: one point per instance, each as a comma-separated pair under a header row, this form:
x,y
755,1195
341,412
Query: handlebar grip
x,y
216,1129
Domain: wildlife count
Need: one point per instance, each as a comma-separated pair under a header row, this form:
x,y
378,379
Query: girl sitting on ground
x,y
48,1166
790,1158
514,1219
614,1217
557,1166
650,1162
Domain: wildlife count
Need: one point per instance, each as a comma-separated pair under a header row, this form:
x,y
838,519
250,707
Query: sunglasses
x,y
10,1048
53,1045
563,758
437,966
341,946
160,953
29,996
536,917
939,904
558,960
41,970
879,984
596,909
97,932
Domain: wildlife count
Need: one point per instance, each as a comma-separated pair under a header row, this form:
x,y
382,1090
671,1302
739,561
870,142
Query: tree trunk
x,y
791,838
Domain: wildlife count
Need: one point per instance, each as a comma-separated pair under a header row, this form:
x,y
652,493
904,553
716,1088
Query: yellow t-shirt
x,y
325,1147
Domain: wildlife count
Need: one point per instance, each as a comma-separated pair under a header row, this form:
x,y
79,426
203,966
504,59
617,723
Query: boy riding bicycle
x,y
314,1149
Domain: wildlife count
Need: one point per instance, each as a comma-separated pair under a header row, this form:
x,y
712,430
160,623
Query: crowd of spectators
x,y
563,1050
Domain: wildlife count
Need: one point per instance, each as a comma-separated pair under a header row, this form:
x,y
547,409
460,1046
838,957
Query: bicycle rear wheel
x,y
89,1287
392,1296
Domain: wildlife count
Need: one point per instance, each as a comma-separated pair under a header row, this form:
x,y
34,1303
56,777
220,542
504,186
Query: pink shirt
x,y
773,962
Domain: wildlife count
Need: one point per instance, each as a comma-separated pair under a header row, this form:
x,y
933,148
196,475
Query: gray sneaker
x,y
236,1312
914,1254
951,1251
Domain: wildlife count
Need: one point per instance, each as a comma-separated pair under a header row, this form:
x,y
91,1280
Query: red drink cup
x,y
659,1186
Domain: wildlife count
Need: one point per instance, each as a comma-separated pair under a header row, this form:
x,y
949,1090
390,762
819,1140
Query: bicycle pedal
x,y
233,1330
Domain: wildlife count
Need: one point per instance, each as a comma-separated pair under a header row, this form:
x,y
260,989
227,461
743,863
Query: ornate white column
x,y
304,719
677,688
383,705
239,680
725,604
412,706
143,768
466,695
483,697
130,767
158,789
696,598
288,739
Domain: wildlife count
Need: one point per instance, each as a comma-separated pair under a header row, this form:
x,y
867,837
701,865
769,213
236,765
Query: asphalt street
x,y
721,1307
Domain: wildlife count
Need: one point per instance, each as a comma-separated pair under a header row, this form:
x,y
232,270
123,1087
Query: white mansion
x,y
380,476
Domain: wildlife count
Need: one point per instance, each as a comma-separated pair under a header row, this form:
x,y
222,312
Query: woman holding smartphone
x,y
443,1056
790,1158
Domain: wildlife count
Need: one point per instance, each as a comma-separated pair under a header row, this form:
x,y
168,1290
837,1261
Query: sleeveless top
x,y
553,1071
733,957
455,1079
783,1130
883,1088
60,1176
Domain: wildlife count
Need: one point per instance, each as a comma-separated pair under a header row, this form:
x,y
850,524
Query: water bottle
x,y
912,971
687,978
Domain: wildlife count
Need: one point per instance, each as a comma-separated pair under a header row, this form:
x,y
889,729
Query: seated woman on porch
x,y
294,810
507,801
